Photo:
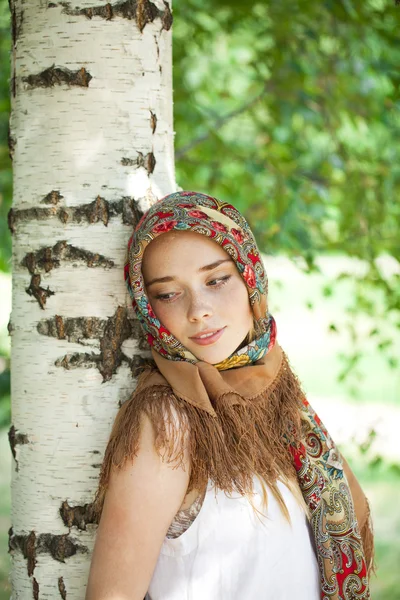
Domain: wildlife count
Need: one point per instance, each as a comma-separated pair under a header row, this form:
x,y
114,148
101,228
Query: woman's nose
x,y
199,308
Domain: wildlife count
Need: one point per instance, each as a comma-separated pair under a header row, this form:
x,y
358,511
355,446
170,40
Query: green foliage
x,y
290,110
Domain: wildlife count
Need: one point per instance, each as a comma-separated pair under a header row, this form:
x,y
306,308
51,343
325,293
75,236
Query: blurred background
x,y
291,111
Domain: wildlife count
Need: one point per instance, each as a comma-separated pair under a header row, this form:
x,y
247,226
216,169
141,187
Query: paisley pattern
x,y
319,467
343,571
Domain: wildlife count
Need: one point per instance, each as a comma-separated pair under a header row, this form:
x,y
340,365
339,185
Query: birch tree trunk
x,y
92,144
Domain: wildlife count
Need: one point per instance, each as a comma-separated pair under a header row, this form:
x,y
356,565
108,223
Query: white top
x,y
230,553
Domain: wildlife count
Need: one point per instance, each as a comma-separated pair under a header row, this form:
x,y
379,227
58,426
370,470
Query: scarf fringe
x,y
246,438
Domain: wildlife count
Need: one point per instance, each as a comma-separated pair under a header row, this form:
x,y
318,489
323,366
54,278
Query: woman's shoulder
x,y
150,417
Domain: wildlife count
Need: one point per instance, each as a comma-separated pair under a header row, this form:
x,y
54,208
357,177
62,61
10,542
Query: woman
x,y
219,481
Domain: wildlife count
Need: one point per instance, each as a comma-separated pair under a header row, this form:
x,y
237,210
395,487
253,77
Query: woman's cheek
x,y
168,315
234,292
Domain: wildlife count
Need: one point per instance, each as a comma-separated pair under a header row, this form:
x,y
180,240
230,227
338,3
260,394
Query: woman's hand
x,y
141,502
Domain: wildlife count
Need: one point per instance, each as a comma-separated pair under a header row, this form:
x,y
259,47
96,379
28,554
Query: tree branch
x,y
218,123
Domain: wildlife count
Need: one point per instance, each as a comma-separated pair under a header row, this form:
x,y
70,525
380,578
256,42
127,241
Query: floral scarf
x,y
322,474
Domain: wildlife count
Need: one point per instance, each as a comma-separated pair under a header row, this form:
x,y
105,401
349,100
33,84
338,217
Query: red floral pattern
x,y
249,276
238,235
219,226
164,227
164,215
255,258
150,311
197,214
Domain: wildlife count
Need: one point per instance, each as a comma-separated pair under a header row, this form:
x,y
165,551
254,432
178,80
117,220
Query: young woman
x,y
219,481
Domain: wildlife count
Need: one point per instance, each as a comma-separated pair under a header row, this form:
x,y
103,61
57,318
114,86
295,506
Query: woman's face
x,y
197,293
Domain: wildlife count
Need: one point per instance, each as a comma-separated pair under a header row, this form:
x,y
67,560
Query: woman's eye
x,y
165,297
219,281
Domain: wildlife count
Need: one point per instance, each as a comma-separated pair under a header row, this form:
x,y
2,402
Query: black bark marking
x,y
105,12
73,329
38,292
29,547
35,587
100,210
130,162
111,333
146,12
59,322
131,213
62,589
153,121
58,76
16,22
167,18
50,258
11,220
117,330
137,364
29,214
97,211
148,162
13,22
79,360
77,516
60,547
158,48
141,11
11,144
53,198
25,544
10,328
14,438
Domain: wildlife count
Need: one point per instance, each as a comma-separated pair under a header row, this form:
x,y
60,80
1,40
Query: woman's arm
x,y
141,501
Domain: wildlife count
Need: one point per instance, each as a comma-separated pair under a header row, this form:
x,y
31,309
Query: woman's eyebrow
x,y
159,280
214,265
168,278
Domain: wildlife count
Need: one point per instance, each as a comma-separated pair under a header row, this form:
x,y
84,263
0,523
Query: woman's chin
x,y
211,355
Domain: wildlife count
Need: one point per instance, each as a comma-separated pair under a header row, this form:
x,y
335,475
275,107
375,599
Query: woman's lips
x,y
209,336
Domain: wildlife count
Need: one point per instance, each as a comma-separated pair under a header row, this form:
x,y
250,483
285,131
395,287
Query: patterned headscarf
x,y
221,222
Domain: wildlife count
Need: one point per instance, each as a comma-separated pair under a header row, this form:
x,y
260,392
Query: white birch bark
x,y
78,143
